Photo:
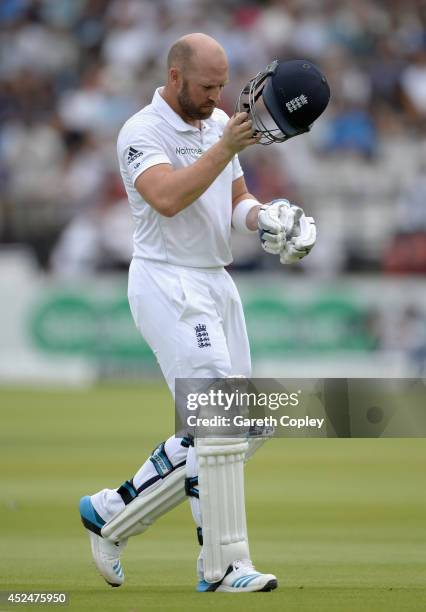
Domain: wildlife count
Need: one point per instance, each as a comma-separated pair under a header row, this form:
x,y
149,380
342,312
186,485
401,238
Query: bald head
x,y
196,52
197,72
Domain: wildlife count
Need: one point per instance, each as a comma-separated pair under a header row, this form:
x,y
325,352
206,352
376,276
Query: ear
x,y
175,76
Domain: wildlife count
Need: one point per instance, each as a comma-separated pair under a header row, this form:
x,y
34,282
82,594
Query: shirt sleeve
x,y
237,171
140,149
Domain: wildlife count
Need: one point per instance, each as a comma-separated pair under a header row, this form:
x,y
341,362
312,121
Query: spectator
x,y
71,73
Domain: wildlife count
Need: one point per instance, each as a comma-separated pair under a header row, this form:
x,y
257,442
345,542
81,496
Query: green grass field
x,y
341,522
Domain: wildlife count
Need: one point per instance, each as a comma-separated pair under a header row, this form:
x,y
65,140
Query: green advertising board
x,y
81,323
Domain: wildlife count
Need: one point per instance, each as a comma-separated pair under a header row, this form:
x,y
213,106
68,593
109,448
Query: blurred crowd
x,y
72,71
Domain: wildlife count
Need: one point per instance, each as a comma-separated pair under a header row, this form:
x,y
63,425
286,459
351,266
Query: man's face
x,y
200,93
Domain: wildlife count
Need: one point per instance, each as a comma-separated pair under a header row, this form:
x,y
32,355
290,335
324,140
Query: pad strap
x,y
191,486
127,492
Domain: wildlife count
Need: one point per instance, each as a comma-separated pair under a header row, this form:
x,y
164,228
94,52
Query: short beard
x,y
188,107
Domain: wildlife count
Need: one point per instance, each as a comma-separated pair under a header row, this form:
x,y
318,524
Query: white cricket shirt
x,y
198,236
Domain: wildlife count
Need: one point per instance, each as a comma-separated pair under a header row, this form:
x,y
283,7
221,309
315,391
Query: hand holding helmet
x,y
294,93
238,133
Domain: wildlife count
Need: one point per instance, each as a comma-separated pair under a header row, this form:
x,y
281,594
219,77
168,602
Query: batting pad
x,y
221,494
147,507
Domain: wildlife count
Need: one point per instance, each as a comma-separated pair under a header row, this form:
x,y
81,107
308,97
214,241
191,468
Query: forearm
x,y
183,186
169,191
244,217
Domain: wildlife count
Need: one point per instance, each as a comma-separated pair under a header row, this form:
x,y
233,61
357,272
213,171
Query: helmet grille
x,y
247,102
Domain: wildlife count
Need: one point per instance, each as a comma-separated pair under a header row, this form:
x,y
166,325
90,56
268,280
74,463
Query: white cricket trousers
x,y
192,319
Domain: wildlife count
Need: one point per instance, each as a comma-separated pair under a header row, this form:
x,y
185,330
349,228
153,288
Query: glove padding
x,y
275,222
301,238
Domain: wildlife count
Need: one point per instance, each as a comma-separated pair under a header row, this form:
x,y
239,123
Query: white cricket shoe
x,y
241,577
105,553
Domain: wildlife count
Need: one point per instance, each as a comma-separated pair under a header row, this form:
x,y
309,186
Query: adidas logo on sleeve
x,y
133,154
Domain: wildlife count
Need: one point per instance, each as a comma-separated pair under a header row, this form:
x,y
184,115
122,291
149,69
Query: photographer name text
x,y
267,421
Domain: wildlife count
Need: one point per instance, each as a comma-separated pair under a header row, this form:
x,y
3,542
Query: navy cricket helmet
x,y
294,93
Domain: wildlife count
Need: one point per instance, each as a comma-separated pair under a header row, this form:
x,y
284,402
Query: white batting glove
x,y
275,221
301,239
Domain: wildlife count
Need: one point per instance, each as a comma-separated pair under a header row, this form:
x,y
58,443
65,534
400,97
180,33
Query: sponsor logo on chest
x,y
189,151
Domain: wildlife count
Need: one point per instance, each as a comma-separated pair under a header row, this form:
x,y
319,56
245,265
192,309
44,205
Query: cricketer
x,y
179,163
